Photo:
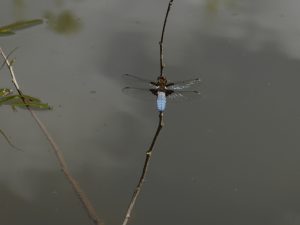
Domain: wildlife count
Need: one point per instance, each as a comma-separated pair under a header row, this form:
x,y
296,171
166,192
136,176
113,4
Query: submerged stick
x,y
9,141
86,203
160,126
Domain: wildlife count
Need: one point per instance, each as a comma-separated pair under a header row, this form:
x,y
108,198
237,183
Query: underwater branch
x,y
86,203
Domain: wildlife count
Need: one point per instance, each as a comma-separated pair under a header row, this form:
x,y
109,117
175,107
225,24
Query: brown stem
x,y
86,203
160,125
144,172
161,47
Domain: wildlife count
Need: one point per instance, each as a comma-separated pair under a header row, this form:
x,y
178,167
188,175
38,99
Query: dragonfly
x,y
162,88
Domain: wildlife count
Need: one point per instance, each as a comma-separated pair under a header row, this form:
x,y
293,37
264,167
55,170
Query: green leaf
x,y
4,32
22,24
5,92
24,101
32,105
10,28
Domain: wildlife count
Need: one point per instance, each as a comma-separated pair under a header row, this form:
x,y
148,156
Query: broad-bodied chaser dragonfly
x,y
162,89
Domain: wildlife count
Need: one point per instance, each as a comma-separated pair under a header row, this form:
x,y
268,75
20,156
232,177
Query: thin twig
x,y
144,172
86,203
160,126
161,47
11,52
9,141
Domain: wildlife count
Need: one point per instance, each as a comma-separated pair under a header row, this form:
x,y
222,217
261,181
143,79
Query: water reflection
x,y
213,6
64,22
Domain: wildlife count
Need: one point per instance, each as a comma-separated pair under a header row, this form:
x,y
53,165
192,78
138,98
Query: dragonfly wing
x,y
185,84
179,96
140,93
135,81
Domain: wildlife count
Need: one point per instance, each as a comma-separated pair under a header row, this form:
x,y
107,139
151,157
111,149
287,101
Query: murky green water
x,y
231,157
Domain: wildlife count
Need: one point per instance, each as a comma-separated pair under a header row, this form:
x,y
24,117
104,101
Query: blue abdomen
x,y
161,101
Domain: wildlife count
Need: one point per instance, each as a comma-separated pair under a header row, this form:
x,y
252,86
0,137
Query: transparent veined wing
x,y
184,90
140,93
177,91
147,94
179,96
135,81
185,84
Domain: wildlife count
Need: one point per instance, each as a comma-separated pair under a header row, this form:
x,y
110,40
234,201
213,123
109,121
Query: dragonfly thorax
x,y
161,89
162,81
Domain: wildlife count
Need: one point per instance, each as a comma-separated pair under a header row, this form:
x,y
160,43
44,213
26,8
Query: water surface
x,y
229,158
